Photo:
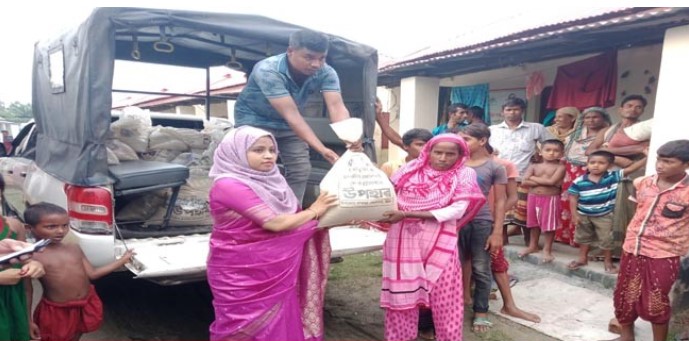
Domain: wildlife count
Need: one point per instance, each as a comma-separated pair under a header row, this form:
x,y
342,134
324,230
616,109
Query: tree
x,y
16,112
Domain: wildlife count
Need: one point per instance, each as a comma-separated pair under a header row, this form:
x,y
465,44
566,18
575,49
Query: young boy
x,y
70,305
543,211
656,237
592,203
413,142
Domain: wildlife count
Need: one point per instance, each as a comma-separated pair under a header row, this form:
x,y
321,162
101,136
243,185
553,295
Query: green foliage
x,y
16,112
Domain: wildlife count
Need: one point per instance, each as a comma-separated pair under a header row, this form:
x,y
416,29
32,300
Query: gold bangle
x,y
314,213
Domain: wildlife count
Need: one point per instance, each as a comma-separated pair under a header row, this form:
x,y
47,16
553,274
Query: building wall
x,y
670,118
635,67
638,73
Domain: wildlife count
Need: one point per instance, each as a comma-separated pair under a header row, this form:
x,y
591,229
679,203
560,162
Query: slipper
x,y
481,322
575,265
513,281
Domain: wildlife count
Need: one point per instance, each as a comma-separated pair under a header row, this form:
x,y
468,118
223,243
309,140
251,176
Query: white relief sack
x,y
364,191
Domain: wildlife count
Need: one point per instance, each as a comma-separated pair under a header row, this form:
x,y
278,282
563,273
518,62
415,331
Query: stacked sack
x,y
134,137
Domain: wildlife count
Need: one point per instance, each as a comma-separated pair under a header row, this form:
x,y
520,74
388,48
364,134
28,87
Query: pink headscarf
x,y
421,188
230,162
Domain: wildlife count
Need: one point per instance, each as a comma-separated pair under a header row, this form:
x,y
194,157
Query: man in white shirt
x,y
517,141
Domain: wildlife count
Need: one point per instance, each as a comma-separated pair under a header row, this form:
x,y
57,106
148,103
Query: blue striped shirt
x,y
596,198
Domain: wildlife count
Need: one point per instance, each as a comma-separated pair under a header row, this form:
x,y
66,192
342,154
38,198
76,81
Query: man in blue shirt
x,y
275,96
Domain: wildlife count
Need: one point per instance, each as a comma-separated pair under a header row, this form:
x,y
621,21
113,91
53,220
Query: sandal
x,y
480,322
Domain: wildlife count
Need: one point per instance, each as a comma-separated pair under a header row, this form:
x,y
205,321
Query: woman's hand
x,y
32,269
393,216
323,203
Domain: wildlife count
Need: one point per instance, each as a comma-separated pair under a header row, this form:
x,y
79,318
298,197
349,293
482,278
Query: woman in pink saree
x,y
437,195
268,261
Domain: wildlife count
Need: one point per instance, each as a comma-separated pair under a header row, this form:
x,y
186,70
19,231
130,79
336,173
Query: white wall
x,y
671,119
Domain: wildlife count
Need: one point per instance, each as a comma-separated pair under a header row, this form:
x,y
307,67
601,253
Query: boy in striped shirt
x,y
592,203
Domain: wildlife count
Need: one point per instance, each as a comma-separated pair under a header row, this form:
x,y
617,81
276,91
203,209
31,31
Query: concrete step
x,y
564,254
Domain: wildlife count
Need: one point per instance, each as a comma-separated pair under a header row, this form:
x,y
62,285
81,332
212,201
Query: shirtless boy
x,y
543,211
69,306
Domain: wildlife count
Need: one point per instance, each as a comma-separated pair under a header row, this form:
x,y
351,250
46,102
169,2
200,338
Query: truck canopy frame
x,y
73,74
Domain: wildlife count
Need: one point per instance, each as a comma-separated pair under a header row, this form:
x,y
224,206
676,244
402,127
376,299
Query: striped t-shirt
x,y
596,198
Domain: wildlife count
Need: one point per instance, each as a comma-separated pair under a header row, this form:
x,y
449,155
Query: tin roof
x,y
537,29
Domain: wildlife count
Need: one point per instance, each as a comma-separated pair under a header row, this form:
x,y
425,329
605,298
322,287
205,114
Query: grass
x,y
361,265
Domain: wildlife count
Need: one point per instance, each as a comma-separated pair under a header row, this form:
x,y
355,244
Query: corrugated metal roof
x,y
523,27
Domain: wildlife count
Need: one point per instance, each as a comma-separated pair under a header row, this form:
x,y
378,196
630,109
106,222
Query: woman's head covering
x,y
571,111
421,188
230,161
574,114
599,110
579,129
579,126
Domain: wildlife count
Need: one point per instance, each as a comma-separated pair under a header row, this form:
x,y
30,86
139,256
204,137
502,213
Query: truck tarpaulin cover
x,y
73,74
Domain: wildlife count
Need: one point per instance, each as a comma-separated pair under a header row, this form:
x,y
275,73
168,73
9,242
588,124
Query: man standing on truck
x,y
275,94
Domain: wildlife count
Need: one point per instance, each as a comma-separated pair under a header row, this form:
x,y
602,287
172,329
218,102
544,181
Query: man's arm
x,y
286,107
636,165
335,104
387,130
629,150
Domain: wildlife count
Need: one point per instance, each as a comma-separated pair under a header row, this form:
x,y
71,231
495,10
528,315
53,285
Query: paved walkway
x,y
573,305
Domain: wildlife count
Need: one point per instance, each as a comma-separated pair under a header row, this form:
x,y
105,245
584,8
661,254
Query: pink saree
x,y
265,285
417,251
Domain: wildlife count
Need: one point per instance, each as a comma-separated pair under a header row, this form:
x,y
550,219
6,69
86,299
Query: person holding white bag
x,y
275,93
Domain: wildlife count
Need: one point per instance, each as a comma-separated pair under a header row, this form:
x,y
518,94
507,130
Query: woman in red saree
x,y
437,195
268,262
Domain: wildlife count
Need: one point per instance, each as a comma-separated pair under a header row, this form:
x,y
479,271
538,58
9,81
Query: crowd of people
x,y
457,188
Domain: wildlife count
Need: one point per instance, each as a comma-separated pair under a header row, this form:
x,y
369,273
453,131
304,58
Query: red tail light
x,y
90,209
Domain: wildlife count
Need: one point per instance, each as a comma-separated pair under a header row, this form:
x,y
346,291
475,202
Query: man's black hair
x,y
677,149
311,40
416,134
639,98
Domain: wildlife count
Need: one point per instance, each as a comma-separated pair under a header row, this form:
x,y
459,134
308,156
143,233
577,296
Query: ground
x,y
139,310
352,311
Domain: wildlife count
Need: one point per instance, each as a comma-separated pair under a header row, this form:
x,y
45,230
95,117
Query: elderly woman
x,y
592,121
563,124
268,261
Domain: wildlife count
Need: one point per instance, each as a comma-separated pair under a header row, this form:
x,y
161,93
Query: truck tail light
x,y
90,209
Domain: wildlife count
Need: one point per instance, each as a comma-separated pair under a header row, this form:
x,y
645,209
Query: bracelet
x,y
404,215
314,213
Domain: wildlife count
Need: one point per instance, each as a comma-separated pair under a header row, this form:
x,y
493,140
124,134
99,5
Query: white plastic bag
x,y
363,190
349,130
